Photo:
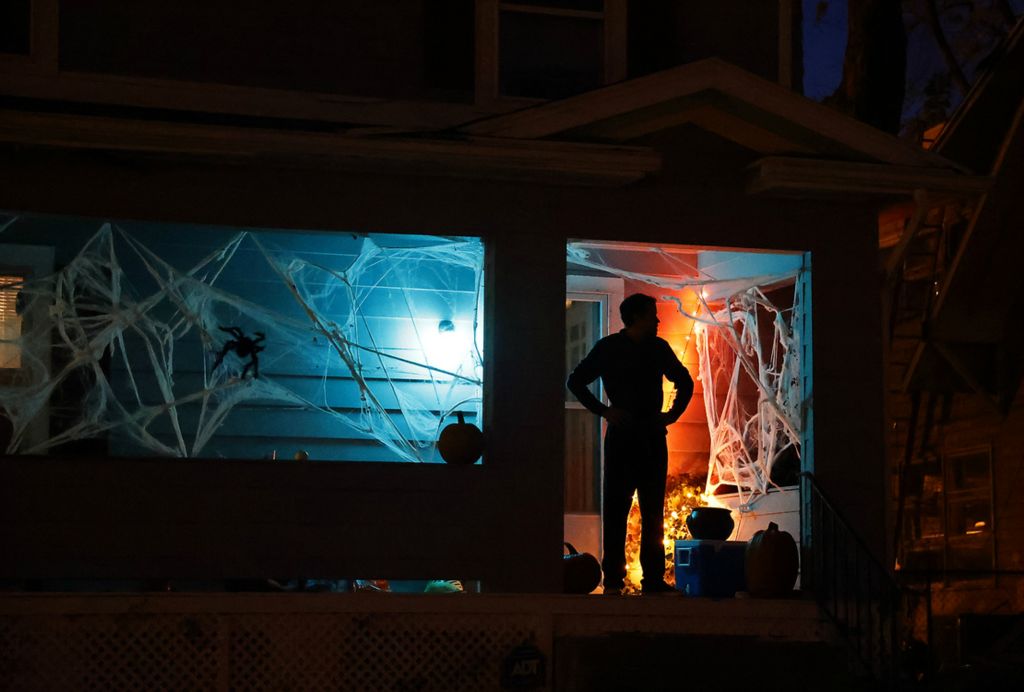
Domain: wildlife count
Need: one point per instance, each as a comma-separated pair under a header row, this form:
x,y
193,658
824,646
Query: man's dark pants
x,y
634,460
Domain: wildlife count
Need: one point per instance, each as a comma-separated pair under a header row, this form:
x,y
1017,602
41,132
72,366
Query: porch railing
x,y
853,588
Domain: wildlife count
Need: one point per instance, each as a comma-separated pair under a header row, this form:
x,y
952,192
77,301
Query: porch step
x,y
641,661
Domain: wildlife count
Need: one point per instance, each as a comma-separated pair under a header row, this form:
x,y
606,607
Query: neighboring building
x,y
955,369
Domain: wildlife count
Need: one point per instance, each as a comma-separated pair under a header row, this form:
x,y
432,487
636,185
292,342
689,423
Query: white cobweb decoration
x,y
128,333
738,352
746,444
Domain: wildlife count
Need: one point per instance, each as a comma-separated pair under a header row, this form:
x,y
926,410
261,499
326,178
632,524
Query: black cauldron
x,y
710,523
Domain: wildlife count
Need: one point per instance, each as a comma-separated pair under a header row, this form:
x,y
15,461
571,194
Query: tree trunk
x,y
875,64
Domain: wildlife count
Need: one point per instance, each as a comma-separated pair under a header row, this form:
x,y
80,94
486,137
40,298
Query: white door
x,y
591,312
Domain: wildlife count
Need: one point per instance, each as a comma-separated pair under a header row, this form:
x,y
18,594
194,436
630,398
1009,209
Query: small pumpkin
x,y
581,572
772,563
461,443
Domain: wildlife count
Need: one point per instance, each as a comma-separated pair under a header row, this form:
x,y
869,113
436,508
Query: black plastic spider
x,y
244,347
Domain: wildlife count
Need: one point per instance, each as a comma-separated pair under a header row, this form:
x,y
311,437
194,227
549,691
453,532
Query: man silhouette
x,y
631,364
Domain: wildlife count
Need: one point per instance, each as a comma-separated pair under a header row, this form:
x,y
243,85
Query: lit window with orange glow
x,y
10,322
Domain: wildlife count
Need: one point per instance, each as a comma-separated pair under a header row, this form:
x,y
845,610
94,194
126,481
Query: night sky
x,y
824,44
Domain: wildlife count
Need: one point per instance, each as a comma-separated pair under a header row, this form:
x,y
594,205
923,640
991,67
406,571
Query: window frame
x,y
38,75
951,497
943,542
488,53
23,274
29,262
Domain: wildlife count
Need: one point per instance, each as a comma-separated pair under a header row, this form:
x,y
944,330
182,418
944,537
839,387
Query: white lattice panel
x,y
287,642
109,652
386,651
265,651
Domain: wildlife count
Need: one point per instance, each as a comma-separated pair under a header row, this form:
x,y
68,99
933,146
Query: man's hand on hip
x,y
618,416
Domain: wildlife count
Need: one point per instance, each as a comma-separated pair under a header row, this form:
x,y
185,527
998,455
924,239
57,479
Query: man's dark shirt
x,y
632,374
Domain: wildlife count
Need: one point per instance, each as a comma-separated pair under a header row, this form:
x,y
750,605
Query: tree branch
x,y
956,73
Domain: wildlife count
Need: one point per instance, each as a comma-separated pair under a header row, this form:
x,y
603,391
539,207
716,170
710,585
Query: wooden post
x,y
524,413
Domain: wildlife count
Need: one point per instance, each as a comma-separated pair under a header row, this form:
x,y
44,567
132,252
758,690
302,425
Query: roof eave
x,y
476,157
788,176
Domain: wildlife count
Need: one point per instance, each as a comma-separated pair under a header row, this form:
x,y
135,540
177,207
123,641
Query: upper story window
x,y
408,49
459,58
551,49
548,49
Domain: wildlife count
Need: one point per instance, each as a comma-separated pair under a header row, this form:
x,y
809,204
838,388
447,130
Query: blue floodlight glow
x,y
159,330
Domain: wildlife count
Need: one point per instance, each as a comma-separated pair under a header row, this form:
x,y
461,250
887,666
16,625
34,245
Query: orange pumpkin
x,y
772,563
461,443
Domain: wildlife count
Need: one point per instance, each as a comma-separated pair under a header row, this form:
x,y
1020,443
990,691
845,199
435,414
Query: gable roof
x,y
716,96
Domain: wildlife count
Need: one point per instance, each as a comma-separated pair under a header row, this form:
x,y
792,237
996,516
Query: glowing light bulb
x,y
445,348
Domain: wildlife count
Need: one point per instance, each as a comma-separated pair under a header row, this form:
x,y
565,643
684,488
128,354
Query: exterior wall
x,y
502,522
524,412
848,381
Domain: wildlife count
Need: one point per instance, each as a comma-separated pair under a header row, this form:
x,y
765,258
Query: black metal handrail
x,y
852,586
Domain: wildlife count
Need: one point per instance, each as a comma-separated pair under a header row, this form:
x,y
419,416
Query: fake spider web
x,y
138,335
749,355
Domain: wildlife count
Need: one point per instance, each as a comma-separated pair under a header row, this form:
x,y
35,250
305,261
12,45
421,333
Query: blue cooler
x,y
710,568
